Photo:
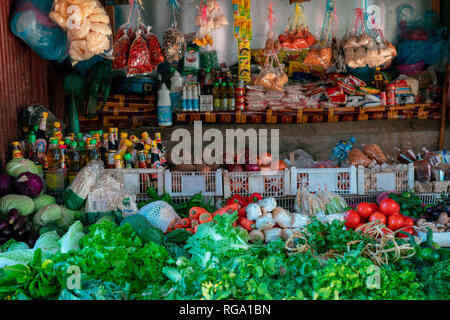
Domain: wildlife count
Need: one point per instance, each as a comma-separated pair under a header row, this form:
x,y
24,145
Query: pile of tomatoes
x,y
388,213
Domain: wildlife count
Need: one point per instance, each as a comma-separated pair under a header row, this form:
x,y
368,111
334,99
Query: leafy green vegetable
x,y
95,290
48,242
70,241
144,229
23,204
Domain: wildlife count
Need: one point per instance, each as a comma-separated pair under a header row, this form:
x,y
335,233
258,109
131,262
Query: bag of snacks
x,y
87,25
357,158
321,55
373,151
139,62
174,45
156,55
297,36
121,47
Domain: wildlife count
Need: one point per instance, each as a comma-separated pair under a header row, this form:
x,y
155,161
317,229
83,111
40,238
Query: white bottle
x,y
184,101
189,99
164,107
195,102
176,89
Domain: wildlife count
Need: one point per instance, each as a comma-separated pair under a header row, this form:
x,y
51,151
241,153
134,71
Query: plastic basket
x,y
186,184
337,180
371,181
430,198
138,181
267,183
409,69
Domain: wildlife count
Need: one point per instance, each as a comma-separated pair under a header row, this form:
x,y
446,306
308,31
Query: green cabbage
x,y
48,242
70,241
48,214
23,204
18,166
42,201
24,257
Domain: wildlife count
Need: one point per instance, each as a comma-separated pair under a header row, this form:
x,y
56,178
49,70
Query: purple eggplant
x,y
30,239
24,230
19,223
13,215
4,224
8,231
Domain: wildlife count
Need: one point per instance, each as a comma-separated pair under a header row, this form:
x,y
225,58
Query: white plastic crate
x,y
337,180
137,181
356,199
267,183
372,181
430,198
186,184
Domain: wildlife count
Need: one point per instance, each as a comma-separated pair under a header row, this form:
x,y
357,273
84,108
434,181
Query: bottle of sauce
x,y
216,97
230,96
141,158
54,183
93,151
146,138
127,160
16,151
74,161
379,79
32,152
41,137
82,152
118,161
57,133
223,96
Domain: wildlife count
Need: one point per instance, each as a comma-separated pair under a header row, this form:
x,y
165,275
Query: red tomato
x,y
408,222
389,207
365,210
352,219
358,226
386,231
395,222
378,216
407,230
374,207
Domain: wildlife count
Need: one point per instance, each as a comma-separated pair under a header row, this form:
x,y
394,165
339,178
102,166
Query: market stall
x,y
98,188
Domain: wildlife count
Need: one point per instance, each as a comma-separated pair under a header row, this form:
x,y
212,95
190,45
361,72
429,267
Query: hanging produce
x,y
135,47
297,35
87,25
174,43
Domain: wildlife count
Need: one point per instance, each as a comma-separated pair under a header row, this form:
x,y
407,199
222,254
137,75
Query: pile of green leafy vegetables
x,y
132,260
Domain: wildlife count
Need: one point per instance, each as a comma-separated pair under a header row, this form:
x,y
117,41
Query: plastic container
x,y
267,183
372,181
409,69
164,107
337,180
187,184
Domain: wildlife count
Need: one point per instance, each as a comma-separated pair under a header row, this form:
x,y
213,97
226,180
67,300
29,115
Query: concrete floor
x,y
318,139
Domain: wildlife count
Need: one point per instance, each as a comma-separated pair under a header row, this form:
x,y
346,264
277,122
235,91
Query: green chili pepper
x,y
430,256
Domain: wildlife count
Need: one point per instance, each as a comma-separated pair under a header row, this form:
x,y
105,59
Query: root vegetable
x,y
256,236
253,211
443,219
282,217
265,222
268,204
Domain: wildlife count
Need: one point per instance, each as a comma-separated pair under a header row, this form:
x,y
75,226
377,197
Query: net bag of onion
x,y
160,215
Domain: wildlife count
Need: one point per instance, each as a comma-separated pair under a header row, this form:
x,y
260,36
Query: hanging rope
x,y
174,8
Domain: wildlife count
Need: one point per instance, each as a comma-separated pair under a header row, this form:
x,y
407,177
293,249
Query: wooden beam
x,y
436,6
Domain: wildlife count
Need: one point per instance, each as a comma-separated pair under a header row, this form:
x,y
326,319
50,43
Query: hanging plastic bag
x,y
121,48
139,61
174,43
156,56
87,25
30,22
297,35
321,54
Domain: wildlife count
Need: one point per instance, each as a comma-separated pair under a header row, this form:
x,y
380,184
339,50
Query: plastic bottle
x,y
216,97
146,138
176,89
209,82
195,101
63,160
127,160
184,100
93,151
230,97
189,98
223,96
57,133
16,151
41,137
164,107
32,152
341,150
74,161
379,79
118,161
52,180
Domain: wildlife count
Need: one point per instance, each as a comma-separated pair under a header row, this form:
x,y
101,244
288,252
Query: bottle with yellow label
x,y
57,133
16,151
54,180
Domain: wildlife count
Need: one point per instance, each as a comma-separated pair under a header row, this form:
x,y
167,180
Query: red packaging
x,y
390,95
356,82
139,61
347,88
334,91
383,97
338,99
